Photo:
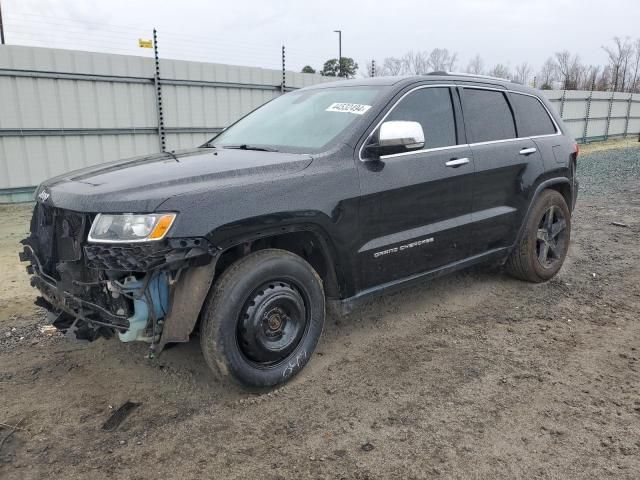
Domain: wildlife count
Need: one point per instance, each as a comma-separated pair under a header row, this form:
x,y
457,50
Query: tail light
x,y
576,149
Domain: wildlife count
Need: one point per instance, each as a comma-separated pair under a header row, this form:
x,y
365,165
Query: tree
x,y
308,69
604,80
476,65
415,63
547,74
500,71
619,57
348,68
635,80
590,76
392,66
440,60
568,67
523,72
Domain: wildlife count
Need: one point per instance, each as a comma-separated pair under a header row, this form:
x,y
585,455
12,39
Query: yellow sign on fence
x,y
145,43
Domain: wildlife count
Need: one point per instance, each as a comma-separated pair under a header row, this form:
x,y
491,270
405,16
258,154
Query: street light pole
x,y
339,32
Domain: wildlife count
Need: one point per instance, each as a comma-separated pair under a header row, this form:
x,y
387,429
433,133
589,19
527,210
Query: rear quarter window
x,y
532,117
487,115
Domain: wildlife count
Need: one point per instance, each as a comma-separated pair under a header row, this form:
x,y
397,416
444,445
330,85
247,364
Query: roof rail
x,y
462,74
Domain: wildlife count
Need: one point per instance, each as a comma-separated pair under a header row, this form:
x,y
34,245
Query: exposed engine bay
x,y
97,290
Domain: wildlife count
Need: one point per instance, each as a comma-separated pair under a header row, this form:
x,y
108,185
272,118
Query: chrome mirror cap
x,y
401,134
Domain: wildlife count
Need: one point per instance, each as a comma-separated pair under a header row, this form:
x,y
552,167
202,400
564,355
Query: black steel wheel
x,y
272,322
263,319
543,245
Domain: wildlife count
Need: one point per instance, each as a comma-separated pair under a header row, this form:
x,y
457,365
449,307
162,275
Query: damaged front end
x,y
145,291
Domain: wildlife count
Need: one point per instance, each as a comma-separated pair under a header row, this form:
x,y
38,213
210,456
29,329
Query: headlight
x,y
130,227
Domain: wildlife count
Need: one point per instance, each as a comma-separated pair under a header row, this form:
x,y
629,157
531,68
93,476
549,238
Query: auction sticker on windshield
x,y
356,108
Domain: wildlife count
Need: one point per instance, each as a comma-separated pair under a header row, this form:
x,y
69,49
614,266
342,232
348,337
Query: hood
x,y
141,184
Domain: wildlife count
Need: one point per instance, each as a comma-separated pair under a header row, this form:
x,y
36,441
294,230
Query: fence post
x,y
158,86
606,132
626,120
564,93
588,110
284,75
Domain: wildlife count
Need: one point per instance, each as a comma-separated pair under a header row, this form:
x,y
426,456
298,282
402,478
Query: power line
x,y
173,35
48,31
127,29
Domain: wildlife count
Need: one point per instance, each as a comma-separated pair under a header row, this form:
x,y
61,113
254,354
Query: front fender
x,y
186,303
329,233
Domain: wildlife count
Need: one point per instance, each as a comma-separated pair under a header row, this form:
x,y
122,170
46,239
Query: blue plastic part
x,y
158,290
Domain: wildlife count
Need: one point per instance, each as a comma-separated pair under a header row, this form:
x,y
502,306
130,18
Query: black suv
x,y
332,193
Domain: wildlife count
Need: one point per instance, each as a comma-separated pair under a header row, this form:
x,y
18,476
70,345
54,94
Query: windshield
x,y
302,121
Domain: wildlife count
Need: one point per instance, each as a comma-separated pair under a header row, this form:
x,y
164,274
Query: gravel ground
x,y
603,172
475,375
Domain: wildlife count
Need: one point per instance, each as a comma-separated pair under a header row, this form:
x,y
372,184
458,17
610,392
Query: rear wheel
x,y
263,319
543,246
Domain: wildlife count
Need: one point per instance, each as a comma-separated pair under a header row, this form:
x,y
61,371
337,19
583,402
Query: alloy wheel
x,y
551,237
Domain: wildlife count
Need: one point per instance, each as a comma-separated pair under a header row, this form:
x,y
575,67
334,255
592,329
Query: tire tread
x,y
520,262
212,347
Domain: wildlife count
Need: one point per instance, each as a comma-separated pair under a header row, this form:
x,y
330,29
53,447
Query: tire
x,y
263,319
542,248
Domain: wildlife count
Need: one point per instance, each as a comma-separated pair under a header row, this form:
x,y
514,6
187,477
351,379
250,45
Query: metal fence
x,y
62,109
593,116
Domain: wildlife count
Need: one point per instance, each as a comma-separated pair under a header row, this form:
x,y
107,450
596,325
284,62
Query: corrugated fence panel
x,y
610,114
63,109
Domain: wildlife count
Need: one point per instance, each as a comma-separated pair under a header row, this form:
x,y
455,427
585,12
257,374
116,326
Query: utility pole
x,y
1,27
339,32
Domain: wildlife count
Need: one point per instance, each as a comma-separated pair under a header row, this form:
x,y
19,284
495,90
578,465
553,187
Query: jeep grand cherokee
x,y
332,193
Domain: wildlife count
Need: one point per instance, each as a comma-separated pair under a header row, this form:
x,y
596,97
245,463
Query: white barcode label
x,y
356,108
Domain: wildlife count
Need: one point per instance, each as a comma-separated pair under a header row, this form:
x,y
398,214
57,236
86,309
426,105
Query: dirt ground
x,y
475,375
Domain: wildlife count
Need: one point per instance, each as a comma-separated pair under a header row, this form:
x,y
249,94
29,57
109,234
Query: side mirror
x,y
395,137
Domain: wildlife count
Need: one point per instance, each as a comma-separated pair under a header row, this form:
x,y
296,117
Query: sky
x,y
251,32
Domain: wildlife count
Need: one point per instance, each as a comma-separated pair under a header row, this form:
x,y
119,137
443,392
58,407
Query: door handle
x,y
528,151
456,162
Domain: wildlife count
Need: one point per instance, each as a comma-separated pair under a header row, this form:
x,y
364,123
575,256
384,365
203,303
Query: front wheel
x,y
541,251
263,319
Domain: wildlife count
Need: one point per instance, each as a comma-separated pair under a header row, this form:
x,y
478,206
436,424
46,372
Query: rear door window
x,y
533,119
432,108
487,116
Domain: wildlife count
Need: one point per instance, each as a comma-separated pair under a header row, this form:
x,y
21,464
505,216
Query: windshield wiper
x,y
245,146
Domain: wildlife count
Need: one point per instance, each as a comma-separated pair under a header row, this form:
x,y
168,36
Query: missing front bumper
x,y
159,313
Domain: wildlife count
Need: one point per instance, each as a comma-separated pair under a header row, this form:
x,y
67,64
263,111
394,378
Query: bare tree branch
x,y
523,73
440,60
391,66
548,74
500,71
415,63
476,65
